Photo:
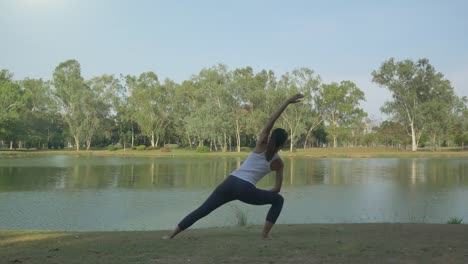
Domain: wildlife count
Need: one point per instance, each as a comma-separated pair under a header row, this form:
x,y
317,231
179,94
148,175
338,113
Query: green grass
x,y
455,220
355,152
317,243
240,215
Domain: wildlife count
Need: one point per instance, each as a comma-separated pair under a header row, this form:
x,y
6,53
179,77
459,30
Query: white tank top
x,y
254,167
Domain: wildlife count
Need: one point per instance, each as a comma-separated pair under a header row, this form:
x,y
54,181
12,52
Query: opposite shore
x,y
342,152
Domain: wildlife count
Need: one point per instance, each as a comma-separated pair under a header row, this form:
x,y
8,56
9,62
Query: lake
x,y
79,193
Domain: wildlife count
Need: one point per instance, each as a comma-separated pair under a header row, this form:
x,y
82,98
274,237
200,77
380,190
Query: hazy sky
x,y
339,40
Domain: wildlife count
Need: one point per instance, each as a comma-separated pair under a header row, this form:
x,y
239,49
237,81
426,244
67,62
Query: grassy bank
x,y
348,243
357,152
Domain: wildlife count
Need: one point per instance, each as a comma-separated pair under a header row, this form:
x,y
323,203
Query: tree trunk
x,y
307,136
77,142
11,144
238,135
152,139
133,136
414,146
88,144
334,141
291,148
189,140
225,142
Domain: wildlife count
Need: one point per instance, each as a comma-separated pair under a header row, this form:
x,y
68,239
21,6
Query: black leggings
x,y
232,189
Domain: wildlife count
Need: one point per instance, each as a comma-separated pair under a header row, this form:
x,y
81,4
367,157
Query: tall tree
x,y
149,101
300,120
100,93
338,104
12,101
41,114
416,88
71,94
461,122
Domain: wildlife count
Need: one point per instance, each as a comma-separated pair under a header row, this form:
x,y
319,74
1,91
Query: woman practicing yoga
x,y
240,185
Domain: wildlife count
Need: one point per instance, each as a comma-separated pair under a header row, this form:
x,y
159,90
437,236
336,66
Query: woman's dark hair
x,y
277,139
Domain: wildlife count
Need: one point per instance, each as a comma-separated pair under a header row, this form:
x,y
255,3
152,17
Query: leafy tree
x,y
149,100
40,113
417,90
71,95
100,93
211,84
338,104
303,81
12,102
461,122
392,134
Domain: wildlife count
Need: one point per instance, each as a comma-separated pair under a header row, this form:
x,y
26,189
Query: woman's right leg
x,y
221,195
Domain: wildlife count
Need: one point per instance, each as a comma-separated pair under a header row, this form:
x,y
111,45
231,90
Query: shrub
x,y
455,220
240,215
203,149
118,146
245,149
111,148
166,149
152,148
171,146
141,147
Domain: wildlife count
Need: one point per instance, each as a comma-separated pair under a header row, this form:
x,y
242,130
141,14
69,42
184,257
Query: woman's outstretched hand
x,y
295,98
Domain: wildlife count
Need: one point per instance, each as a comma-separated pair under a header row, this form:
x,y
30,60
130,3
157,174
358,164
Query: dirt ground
x,y
316,243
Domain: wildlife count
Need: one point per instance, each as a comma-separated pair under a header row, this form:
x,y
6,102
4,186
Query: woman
x,y
240,185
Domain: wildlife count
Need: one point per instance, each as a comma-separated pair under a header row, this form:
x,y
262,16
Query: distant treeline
x,y
224,109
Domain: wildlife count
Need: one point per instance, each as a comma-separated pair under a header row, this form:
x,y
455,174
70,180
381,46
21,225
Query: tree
x,y
12,102
303,81
338,104
461,122
43,124
392,134
417,90
248,93
101,95
149,100
71,95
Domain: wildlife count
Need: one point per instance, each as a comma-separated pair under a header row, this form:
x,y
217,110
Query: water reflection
x,y
109,193
70,172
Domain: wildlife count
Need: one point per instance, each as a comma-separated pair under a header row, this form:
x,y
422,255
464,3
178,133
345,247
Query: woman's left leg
x,y
252,195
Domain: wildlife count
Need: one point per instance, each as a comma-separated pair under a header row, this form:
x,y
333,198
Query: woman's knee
x,y
279,200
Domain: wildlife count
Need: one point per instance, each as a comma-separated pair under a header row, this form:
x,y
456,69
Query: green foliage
x,y
240,215
152,148
140,147
111,148
245,149
203,149
423,100
339,104
455,221
224,108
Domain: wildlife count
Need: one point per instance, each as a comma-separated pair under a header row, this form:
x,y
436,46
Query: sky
x,y
339,40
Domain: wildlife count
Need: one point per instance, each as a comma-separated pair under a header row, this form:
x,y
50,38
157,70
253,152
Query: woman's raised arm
x,y
263,137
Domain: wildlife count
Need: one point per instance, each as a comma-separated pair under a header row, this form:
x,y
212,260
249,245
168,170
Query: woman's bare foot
x,y
176,231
